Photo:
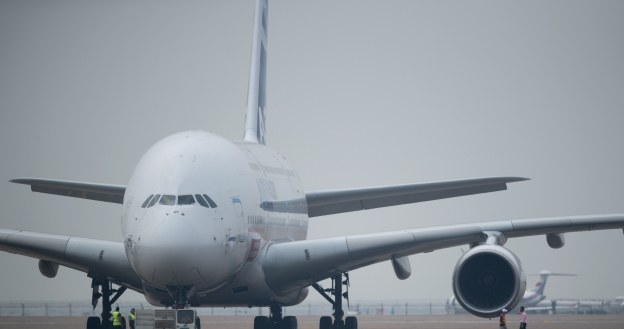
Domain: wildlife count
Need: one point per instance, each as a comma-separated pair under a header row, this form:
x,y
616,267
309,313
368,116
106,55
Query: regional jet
x,y
211,222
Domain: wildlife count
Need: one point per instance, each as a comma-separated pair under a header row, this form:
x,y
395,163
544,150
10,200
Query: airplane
x,y
531,298
211,222
618,305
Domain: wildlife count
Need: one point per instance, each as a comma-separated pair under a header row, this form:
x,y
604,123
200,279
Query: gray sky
x,y
360,93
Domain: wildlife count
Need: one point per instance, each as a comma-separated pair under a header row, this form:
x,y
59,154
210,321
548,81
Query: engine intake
x,y
487,279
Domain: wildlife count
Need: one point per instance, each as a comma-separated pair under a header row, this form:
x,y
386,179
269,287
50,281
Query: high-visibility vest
x,y
132,316
502,321
116,319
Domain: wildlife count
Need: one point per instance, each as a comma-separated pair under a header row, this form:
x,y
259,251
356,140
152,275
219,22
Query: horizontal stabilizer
x,y
338,201
91,191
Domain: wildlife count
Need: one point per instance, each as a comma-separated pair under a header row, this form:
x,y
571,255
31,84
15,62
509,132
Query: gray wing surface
x,y
91,191
293,265
97,258
323,203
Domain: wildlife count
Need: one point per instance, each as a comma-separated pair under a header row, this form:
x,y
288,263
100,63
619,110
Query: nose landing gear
x,y
182,295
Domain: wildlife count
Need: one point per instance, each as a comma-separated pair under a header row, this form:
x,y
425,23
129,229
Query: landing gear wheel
x,y
336,291
289,322
93,322
351,322
325,323
261,322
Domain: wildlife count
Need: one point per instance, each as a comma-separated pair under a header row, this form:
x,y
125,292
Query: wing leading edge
x,y
98,258
292,265
323,203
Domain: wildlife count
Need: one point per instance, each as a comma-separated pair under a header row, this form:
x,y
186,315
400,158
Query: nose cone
x,y
176,250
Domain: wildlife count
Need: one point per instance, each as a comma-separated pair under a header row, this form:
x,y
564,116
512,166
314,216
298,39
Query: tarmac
x,y
564,321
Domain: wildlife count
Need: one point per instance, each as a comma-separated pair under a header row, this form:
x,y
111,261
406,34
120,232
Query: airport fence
x,y
374,308
364,307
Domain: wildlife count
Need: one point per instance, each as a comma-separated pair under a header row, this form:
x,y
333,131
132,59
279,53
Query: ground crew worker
x,y
132,318
523,318
502,320
116,318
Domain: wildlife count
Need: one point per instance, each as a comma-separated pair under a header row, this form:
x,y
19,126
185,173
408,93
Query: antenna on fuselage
x,y
256,94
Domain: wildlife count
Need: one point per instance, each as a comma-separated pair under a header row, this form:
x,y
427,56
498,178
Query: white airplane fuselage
x,y
531,298
209,218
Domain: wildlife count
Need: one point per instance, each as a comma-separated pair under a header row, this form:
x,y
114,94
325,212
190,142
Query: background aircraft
x,y
536,294
566,200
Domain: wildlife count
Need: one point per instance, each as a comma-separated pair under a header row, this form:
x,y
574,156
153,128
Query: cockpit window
x,y
201,201
186,199
182,200
212,204
147,201
154,200
168,200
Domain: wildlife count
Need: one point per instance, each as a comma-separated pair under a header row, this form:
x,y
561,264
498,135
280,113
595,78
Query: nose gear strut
x,y
182,296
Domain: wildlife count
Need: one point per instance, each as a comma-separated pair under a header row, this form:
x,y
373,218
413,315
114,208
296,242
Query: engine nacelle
x,y
487,279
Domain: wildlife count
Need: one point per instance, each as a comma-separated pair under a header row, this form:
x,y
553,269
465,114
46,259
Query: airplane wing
x,y
292,265
323,203
99,259
91,191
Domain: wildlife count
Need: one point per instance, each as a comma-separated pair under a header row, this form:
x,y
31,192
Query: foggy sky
x,y
360,93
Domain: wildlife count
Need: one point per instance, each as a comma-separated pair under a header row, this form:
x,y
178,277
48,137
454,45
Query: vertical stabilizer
x,y
256,100
541,284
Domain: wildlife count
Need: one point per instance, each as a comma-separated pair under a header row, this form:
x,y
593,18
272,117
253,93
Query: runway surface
x,y
611,321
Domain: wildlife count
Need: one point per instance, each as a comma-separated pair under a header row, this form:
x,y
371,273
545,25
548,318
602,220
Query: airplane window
x,y
147,201
201,201
186,199
168,200
154,200
212,204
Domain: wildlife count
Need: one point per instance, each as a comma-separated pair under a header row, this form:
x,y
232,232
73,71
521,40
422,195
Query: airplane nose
x,y
172,251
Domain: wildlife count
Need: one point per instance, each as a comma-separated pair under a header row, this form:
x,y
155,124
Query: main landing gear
x,y
94,322
339,322
276,321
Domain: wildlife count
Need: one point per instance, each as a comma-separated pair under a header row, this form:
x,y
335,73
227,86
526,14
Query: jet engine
x,y
487,279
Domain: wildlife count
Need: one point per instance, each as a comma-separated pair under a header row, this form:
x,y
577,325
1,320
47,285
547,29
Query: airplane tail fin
x,y
541,284
256,100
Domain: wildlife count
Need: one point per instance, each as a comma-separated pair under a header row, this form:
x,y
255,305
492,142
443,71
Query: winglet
x,y
256,100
